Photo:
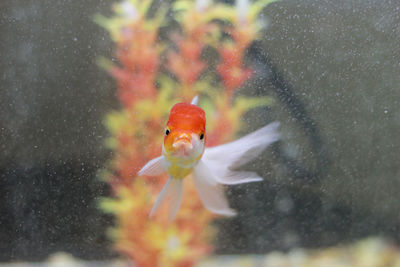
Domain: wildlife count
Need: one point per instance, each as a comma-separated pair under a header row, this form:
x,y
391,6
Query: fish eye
x,y
167,132
201,136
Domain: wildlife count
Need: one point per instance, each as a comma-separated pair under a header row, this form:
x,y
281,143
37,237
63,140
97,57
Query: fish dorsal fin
x,y
195,100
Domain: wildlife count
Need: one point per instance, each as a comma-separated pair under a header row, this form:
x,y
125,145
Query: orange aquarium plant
x,y
152,74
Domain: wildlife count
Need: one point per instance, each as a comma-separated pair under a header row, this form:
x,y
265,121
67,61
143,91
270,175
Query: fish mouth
x,y
182,146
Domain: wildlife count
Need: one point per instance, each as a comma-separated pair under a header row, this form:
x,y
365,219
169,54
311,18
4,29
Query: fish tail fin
x,y
211,193
171,194
176,198
224,160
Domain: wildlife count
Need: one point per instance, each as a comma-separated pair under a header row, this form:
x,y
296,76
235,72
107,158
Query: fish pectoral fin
x,y
238,177
154,167
171,194
241,151
211,194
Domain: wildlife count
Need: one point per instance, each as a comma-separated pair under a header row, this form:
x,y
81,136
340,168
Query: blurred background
x,y
332,67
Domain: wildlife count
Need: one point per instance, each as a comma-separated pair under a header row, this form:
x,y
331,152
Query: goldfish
x,y
184,152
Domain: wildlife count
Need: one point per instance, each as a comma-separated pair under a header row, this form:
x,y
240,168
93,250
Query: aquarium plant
x,y
162,60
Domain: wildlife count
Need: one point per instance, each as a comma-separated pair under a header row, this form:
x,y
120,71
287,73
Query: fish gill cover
x,y
153,72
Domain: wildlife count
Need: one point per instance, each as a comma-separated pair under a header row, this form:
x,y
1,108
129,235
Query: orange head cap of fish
x,y
185,133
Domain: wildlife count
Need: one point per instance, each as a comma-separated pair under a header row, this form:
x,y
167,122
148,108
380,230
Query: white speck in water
x,y
242,7
201,5
385,111
284,204
129,10
75,39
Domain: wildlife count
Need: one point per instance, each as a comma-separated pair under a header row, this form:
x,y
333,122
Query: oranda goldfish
x,y
184,153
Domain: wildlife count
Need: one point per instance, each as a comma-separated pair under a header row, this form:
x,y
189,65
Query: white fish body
x,y
216,167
